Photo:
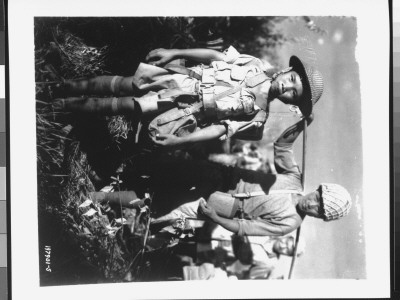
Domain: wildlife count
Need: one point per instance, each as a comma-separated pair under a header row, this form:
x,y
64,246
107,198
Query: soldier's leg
x,y
100,85
97,106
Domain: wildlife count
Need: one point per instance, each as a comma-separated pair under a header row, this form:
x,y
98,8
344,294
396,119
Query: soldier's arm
x,y
291,133
229,224
209,212
160,57
247,227
205,134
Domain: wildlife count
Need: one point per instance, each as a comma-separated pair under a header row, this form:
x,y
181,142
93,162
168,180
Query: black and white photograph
x,y
169,152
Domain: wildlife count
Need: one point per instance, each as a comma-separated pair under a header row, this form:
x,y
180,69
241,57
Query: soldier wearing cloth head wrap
x,y
272,204
229,96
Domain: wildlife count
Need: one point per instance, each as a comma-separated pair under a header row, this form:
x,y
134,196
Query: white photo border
x,y
373,58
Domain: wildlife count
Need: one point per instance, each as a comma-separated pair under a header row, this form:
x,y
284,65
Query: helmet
x,y
336,201
313,84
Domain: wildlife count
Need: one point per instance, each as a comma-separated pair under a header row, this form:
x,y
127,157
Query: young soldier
x,y
267,204
182,106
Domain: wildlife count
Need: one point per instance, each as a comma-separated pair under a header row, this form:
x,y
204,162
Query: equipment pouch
x,y
173,122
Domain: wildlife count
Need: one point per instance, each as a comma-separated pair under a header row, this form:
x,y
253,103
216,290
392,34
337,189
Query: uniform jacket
x,y
235,111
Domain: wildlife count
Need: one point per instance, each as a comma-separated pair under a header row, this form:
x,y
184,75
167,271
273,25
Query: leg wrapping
x,y
100,85
99,106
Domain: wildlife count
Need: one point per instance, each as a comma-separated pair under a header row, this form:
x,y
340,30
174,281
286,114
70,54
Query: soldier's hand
x,y
310,118
208,211
160,57
167,140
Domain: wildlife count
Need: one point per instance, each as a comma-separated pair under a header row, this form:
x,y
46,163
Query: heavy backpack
x,y
177,121
179,126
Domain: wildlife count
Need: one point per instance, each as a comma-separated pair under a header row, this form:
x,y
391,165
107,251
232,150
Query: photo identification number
x,y
47,255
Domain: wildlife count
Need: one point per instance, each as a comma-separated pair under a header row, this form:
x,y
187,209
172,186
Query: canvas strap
x,y
176,114
271,192
182,70
248,82
209,103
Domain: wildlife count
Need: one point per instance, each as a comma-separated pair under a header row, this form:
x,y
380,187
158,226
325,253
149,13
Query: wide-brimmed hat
x,y
313,84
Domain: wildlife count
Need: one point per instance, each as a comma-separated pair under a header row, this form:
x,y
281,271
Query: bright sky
x,y
335,249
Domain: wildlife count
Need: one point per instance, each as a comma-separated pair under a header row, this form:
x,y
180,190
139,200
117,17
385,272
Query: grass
x,y
64,174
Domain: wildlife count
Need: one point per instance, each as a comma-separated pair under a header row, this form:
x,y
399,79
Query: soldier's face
x,y
311,205
285,245
288,88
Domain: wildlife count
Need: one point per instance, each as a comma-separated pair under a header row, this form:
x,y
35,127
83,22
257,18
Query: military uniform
x,y
236,111
270,208
178,100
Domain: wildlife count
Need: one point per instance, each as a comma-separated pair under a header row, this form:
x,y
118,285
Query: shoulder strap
x,y
256,79
228,92
182,70
249,82
271,192
285,192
